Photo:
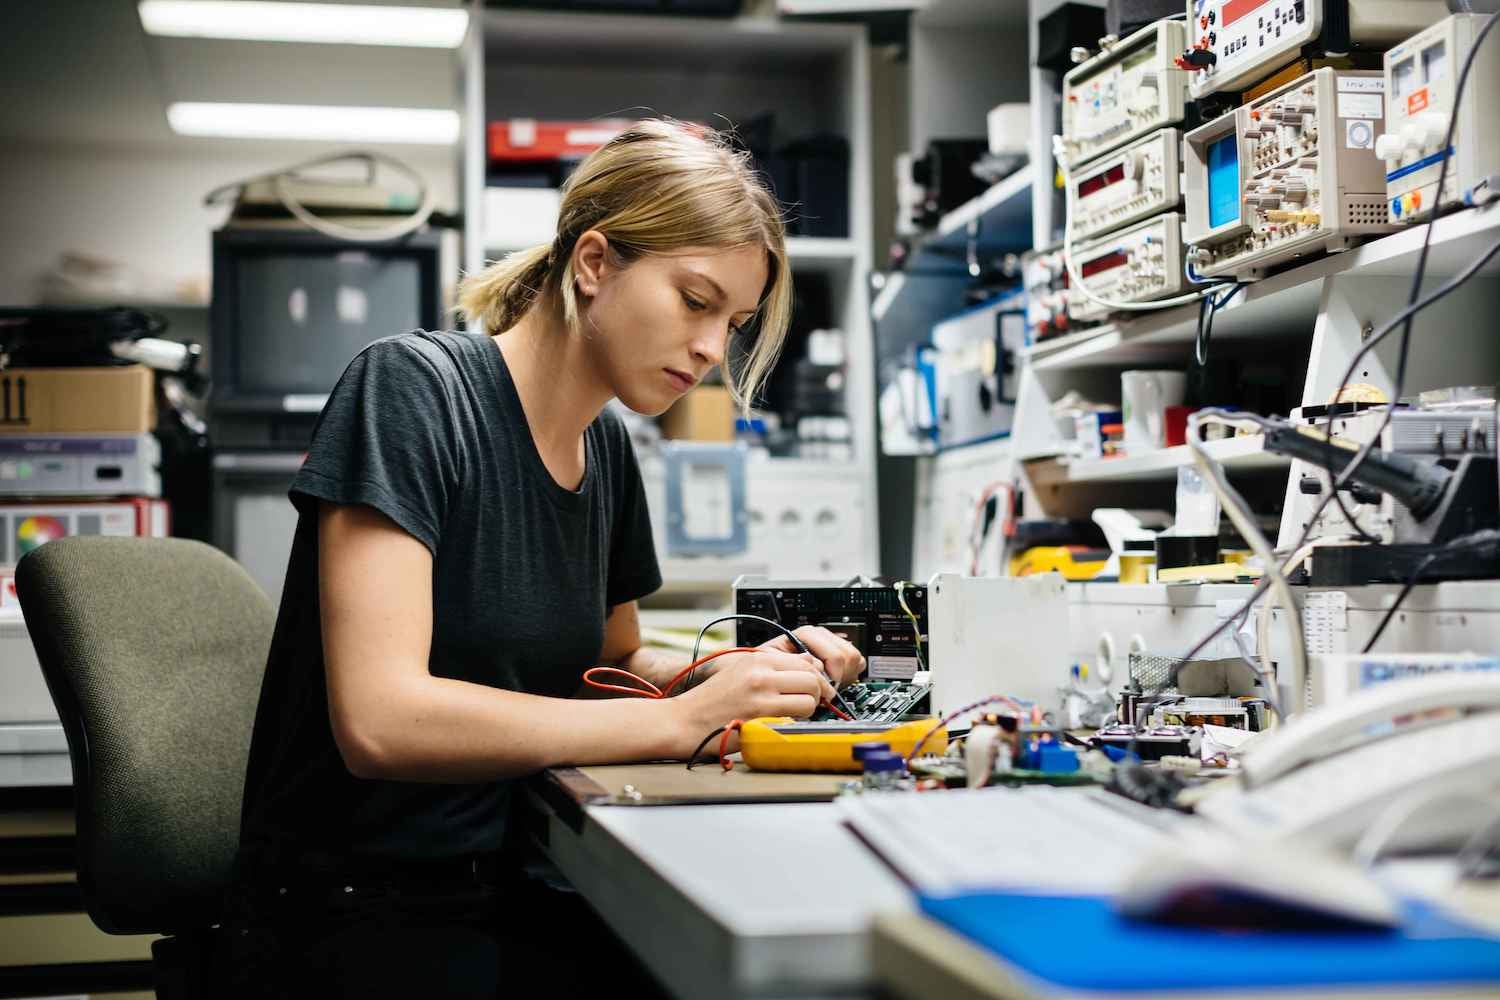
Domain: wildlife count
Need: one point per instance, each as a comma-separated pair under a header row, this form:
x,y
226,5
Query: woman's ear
x,y
590,261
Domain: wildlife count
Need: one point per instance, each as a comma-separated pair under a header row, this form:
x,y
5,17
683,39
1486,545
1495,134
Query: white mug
x,y
1144,398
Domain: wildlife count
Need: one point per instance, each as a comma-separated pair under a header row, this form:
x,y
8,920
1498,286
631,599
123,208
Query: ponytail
x,y
495,299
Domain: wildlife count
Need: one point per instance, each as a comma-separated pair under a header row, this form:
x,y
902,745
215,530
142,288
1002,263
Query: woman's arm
x,y
393,719
622,647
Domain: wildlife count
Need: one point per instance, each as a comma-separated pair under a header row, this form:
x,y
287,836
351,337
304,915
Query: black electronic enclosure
x,y
869,617
291,308
1070,25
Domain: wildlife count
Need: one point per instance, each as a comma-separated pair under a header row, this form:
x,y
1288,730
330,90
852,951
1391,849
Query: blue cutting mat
x,y
1080,942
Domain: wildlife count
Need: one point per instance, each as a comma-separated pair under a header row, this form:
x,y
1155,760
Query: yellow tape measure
x,y
789,745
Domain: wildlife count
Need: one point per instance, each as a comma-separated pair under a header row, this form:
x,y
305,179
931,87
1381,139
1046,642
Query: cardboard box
x,y
119,400
704,414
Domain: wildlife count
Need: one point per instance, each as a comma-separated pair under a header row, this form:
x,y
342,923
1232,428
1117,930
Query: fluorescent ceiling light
x,y
433,126
330,23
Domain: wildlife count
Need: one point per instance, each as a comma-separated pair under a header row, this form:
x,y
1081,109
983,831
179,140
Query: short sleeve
x,y
386,439
633,569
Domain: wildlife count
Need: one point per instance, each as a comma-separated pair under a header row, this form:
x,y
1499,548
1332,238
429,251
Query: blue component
x,y
1052,758
1422,164
1396,207
1223,182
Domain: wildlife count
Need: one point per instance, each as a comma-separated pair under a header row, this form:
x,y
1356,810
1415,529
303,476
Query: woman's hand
x,y
761,684
840,657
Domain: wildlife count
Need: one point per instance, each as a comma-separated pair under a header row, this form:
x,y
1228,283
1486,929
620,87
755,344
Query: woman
x,y
473,534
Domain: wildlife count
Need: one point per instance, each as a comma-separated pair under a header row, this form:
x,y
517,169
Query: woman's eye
x,y
693,303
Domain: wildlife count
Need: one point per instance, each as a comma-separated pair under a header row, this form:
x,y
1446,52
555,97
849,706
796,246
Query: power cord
x,y
1234,505
1385,329
278,179
1413,306
1488,538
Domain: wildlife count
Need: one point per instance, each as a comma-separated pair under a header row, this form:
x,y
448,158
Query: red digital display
x,y
1109,261
1113,175
1236,9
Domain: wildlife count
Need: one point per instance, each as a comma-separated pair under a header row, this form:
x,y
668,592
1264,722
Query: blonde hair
x,y
658,187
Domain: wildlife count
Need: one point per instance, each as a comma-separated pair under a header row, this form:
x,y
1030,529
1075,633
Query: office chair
x,y
153,650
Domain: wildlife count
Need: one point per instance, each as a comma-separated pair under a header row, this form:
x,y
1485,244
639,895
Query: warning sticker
x,y
1361,106
1416,101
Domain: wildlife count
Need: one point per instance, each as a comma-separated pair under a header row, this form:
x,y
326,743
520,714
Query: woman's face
x,y
657,326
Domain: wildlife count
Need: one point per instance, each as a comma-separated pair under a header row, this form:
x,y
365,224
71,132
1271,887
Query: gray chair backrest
x,y
154,651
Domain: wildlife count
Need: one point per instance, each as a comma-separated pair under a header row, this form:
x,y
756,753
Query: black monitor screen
x,y
303,317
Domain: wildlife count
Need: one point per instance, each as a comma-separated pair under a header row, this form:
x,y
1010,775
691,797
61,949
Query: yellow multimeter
x,y
785,744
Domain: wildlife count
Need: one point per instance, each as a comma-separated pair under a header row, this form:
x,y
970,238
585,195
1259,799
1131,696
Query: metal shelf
x,y
1283,305
1240,454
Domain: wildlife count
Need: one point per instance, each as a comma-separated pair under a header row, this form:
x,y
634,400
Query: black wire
x,y
1407,588
791,637
1404,317
1479,539
1417,276
1207,307
1354,463
693,759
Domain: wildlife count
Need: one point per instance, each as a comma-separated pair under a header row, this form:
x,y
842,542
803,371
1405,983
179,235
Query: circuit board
x,y
880,701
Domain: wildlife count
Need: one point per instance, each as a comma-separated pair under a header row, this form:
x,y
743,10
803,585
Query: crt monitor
x,y
1223,181
292,308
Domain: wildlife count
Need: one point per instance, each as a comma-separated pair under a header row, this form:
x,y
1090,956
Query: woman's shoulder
x,y
445,352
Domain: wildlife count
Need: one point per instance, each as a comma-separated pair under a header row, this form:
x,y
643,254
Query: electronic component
x,y
788,745
1421,75
872,618
93,465
1289,174
1127,185
881,701
977,370
1127,90
1151,742
1135,264
1234,713
1235,43
1045,279
1432,481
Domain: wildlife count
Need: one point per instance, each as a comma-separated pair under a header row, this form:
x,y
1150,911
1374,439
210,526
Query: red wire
x,y
650,690
724,760
653,691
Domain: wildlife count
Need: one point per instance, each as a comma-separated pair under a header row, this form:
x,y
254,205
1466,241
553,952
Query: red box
x,y
527,140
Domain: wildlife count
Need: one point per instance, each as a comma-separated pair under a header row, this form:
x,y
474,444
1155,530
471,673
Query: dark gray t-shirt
x,y
428,429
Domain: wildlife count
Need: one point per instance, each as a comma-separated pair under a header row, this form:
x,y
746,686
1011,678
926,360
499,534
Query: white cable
x,y
1075,280
355,234
1249,530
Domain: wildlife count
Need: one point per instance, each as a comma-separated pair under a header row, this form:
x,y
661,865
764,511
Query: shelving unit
x,y
1236,455
1306,321
813,78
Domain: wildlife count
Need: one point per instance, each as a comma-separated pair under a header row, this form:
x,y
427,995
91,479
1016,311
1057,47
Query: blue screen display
x,y
1223,182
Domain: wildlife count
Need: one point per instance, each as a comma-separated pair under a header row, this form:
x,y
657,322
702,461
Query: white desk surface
x,y
733,901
